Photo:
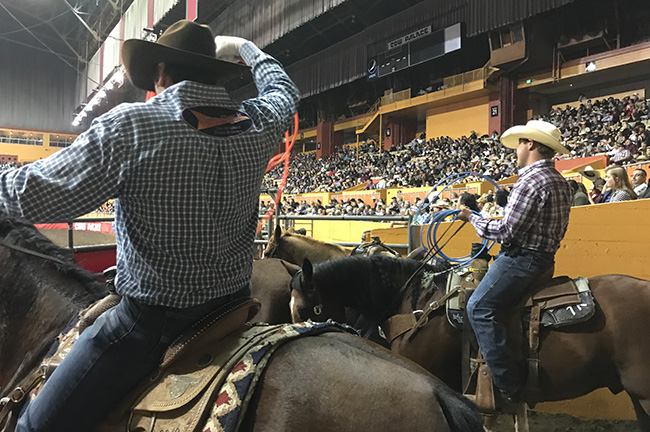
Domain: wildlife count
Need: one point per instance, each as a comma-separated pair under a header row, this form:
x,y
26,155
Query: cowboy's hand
x,y
228,48
464,214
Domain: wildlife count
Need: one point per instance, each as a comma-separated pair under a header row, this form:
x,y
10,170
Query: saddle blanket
x,y
227,408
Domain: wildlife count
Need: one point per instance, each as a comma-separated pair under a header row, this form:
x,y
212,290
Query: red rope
x,y
275,161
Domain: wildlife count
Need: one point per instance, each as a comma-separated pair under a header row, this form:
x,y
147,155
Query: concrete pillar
x,y
508,106
495,112
324,139
398,130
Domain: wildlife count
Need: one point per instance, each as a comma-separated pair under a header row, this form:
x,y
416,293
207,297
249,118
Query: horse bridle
x,y
15,247
296,284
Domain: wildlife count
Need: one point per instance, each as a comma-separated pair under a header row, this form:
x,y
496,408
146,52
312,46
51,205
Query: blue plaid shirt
x,y
185,168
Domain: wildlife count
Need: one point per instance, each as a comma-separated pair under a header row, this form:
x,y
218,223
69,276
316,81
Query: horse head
x,y
307,300
271,250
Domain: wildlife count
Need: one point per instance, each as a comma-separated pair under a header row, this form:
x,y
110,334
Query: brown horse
x,y
294,248
609,350
320,383
270,282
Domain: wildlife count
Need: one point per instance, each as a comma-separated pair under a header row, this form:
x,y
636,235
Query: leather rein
x,y
17,395
15,247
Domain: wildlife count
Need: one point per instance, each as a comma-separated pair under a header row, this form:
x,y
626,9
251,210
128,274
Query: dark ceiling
x,y
70,29
335,25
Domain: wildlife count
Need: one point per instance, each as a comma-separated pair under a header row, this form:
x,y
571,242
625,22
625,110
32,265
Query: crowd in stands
x,y
8,165
418,163
615,127
610,126
489,205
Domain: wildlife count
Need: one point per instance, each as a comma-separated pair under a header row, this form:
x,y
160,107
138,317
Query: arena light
x,y
590,66
115,81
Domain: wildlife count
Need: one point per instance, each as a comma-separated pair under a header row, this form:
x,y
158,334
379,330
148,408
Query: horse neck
x,y
377,298
301,247
422,290
39,302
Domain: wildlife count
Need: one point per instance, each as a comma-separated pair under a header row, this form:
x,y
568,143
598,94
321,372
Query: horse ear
x,y
278,233
307,269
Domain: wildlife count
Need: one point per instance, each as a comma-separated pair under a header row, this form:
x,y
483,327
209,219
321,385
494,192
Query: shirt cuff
x,y
251,53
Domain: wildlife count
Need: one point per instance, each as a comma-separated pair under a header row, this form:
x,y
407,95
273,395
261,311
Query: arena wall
x,y
28,153
458,119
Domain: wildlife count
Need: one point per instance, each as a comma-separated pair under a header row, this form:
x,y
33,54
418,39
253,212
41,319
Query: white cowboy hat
x,y
536,130
443,203
589,173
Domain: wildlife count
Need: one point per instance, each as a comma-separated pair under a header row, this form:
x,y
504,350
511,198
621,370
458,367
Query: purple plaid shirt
x,y
537,213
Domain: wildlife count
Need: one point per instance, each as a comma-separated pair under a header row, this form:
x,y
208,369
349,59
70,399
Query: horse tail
x,y
460,412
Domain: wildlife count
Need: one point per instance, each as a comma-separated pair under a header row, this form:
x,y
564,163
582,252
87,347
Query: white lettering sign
x,y
409,37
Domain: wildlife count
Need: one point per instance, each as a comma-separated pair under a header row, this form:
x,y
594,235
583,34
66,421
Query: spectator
x,y
469,200
596,192
620,155
639,181
617,182
580,198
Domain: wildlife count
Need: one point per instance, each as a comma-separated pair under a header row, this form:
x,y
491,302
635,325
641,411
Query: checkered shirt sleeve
x,y
186,201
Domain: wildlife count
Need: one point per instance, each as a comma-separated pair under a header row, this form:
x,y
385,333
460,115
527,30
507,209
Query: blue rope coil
x,y
430,242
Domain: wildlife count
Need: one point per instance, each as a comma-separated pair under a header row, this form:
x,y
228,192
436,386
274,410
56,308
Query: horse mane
x,y
370,284
22,233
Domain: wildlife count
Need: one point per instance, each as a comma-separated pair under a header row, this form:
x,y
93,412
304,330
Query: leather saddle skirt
x,y
563,301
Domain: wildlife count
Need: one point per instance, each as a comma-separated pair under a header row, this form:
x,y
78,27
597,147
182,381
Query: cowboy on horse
x,y
534,223
183,238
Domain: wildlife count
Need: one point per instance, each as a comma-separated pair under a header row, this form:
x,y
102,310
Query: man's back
x,y
188,202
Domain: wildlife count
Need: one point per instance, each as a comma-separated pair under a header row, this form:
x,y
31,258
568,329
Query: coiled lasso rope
x,y
429,238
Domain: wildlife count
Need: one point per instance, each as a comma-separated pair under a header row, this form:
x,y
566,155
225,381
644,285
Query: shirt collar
x,y
536,165
191,94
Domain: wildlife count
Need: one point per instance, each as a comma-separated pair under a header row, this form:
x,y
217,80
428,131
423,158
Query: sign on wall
x,y
420,33
418,46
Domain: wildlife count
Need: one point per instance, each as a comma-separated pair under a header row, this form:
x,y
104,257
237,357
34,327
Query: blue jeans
x,y
505,284
122,347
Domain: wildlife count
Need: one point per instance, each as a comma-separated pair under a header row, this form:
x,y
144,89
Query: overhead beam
x,y
54,29
85,24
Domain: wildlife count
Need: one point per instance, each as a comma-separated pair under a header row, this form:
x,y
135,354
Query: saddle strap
x,y
397,325
532,382
14,400
431,307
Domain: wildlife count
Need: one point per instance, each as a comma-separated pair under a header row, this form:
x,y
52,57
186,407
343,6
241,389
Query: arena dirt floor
x,y
543,422
539,422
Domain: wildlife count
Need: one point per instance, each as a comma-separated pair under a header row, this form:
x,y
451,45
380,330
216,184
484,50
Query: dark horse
x,y
609,350
333,381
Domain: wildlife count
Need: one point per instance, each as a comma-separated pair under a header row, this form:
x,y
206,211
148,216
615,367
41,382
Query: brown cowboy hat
x,y
184,42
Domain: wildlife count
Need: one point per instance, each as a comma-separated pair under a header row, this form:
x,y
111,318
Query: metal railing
x,y
89,248
283,220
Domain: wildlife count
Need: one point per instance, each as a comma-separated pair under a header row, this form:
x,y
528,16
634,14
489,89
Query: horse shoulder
x,y
270,285
381,391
